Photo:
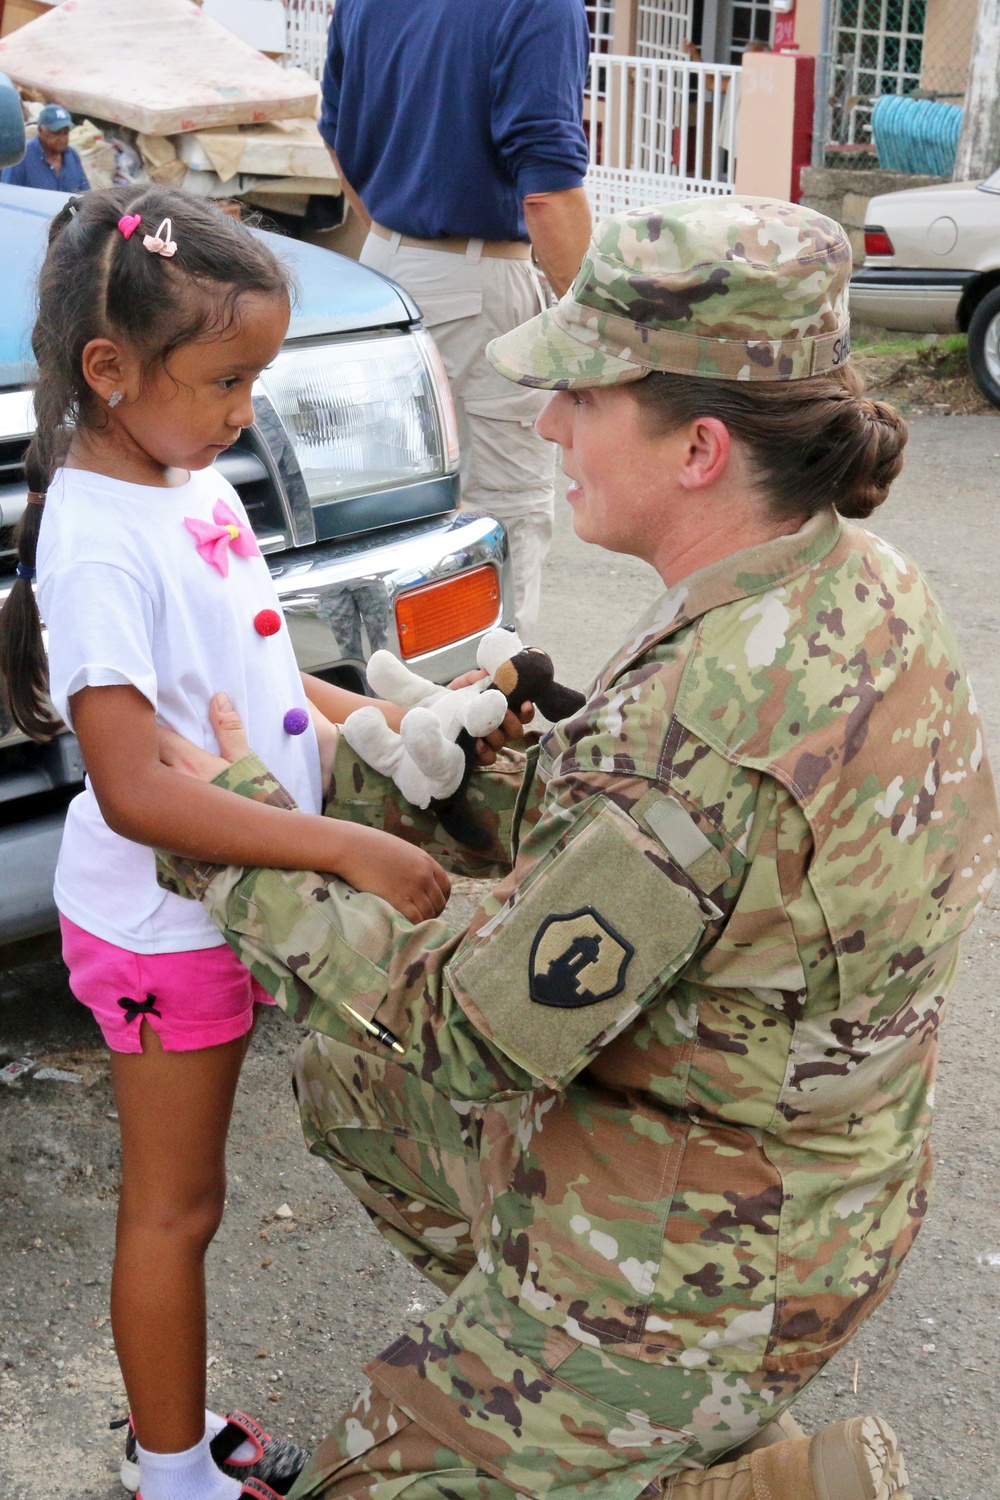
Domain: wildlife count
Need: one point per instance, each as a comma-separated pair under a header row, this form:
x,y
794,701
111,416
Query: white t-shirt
x,y
128,598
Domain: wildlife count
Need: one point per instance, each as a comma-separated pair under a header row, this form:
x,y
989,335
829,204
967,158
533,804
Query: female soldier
x,y
659,1123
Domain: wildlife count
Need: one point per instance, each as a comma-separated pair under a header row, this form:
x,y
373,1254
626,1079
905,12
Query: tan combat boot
x,y
855,1460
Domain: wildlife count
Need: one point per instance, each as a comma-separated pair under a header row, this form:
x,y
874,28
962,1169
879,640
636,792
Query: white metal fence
x,y
306,25
659,130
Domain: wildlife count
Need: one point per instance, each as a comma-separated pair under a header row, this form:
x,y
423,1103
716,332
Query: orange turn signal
x,y
440,613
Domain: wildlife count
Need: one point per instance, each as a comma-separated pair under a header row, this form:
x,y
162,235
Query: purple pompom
x,y
296,721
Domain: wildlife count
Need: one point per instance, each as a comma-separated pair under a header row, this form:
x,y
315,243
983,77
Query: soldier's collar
x,y
755,570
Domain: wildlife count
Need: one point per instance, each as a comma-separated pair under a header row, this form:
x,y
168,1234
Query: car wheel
x,y
984,346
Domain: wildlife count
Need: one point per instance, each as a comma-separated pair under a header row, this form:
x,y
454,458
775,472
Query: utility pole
x,y
821,108
979,144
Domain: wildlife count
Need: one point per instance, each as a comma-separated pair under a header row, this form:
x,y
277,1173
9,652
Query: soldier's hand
x,y
191,760
406,877
511,728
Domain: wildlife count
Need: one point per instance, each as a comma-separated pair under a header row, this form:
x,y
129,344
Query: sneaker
x,y
277,1462
129,1470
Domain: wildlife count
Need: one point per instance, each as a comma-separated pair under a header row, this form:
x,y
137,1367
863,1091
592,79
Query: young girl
x,y
156,314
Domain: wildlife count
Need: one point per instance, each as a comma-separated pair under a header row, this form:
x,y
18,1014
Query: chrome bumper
x,y
339,601
909,301
339,598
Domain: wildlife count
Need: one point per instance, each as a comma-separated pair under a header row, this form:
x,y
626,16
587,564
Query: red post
x,y
802,123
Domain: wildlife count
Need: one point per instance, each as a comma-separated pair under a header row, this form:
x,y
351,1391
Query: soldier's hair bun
x,y
881,438
812,443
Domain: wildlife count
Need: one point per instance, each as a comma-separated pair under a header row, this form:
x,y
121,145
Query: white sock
x,y
214,1425
190,1475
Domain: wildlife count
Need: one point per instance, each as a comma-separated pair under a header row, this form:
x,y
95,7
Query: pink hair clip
x,y
128,224
161,242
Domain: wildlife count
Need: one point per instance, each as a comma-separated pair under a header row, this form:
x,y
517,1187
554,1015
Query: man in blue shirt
x,y
49,160
456,129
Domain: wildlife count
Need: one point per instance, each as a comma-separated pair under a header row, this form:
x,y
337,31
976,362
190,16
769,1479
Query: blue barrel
x,y
916,135
11,123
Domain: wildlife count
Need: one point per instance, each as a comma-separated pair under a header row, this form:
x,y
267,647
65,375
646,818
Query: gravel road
x,y
302,1290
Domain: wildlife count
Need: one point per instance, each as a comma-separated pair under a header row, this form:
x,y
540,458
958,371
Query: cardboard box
x,y
17,13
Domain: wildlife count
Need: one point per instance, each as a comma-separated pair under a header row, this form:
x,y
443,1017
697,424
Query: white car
x,y
932,265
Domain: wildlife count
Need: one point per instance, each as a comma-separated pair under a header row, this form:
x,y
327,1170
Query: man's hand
x,y
350,194
559,227
510,729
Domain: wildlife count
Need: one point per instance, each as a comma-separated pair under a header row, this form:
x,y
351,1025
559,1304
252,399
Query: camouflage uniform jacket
x,y
699,1015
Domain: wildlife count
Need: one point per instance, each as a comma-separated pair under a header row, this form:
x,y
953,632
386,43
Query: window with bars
x,y
748,21
877,49
601,20
663,27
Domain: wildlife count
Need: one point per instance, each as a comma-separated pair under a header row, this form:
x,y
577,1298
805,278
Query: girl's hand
x,y
406,877
510,729
366,858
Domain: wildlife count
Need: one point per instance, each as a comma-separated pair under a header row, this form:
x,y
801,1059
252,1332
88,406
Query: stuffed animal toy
x,y
434,753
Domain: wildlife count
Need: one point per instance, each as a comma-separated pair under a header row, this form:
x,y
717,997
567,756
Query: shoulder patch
x,y
597,933
577,959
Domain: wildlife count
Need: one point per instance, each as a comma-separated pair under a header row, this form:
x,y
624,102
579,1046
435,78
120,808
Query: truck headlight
x,y
365,414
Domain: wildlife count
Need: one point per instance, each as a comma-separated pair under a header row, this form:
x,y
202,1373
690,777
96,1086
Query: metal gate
x,y
659,130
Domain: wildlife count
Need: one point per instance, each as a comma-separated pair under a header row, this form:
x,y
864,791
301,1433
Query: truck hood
x,y
335,295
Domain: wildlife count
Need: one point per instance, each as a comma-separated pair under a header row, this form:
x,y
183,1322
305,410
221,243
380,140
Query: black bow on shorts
x,y
135,1008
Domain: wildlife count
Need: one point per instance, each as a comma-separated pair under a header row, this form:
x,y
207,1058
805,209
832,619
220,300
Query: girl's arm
x,y
143,800
335,703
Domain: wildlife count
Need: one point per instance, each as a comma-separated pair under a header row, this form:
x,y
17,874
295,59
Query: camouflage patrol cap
x,y
733,288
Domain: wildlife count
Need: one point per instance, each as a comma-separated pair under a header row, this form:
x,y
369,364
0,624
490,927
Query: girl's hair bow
x,y
161,242
214,542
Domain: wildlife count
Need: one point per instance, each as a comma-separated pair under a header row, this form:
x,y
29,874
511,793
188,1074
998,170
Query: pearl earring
x,y
115,397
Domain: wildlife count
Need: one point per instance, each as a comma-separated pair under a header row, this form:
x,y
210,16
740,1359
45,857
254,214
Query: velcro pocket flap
x,y
601,929
680,835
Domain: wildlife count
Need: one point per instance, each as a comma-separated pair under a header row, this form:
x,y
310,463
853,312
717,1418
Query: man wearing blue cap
x,y
50,161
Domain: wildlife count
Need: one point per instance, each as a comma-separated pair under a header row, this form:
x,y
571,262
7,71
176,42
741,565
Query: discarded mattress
x,y
159,66
286,148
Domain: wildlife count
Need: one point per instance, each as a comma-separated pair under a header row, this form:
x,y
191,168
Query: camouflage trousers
x,y
480,1400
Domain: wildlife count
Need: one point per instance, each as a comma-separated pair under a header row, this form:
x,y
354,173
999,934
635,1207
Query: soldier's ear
x,y
706,455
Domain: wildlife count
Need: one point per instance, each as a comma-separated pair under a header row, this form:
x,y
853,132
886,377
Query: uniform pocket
x,y
604,926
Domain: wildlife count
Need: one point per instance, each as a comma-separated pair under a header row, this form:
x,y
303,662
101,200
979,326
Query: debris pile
x,y
168,93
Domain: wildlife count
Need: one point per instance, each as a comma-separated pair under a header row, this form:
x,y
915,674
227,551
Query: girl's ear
x,y
109,368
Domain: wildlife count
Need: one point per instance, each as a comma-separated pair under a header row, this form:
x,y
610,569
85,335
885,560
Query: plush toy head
x,y
434,755
529,677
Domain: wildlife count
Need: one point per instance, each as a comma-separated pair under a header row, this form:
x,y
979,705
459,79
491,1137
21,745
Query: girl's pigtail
x,y
23,666
24,673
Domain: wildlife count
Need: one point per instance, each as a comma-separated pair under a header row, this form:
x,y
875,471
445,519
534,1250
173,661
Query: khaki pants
x,y
506,468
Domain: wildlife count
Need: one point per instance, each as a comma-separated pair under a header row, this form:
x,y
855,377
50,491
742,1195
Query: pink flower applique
x,y
214,542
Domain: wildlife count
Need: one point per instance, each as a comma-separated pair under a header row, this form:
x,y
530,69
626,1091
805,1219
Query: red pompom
x,y
267,622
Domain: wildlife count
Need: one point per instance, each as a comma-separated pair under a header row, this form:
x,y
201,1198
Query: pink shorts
x,y
191,1000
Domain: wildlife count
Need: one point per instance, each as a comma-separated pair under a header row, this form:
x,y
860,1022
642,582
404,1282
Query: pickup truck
x,y
350,477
